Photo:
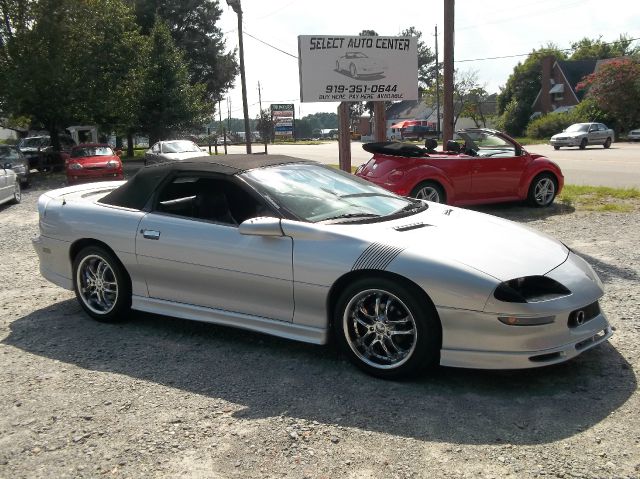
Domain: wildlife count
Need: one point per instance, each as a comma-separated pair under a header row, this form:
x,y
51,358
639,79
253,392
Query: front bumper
x,y
86,176
477,339
566,141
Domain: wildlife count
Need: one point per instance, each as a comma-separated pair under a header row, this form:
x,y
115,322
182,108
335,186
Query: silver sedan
x,y
303,251
174,150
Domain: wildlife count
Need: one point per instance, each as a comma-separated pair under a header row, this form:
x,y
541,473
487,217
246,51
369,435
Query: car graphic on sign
x,y
358,65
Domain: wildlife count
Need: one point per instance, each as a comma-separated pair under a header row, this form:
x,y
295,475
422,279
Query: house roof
x,y
412,109
575,70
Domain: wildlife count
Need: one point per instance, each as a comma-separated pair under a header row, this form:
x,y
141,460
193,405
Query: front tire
x,y
17,193
543,190
583,144
556,147
430,191
387,329
607,143
353,71
101,284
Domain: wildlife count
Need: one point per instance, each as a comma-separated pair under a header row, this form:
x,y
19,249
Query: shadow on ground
x,y
271,377
522,213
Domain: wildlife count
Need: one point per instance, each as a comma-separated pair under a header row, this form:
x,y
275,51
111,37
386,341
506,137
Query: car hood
x,y
184,155
93,161
572,134
500,248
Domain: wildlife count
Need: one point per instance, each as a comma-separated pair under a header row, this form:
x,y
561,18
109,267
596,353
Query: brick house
x,y
559,81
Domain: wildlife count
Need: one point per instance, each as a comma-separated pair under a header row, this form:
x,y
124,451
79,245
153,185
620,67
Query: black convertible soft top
x,y
136,192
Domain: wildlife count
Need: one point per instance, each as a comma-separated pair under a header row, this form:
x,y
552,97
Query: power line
x,y
536,53
269,45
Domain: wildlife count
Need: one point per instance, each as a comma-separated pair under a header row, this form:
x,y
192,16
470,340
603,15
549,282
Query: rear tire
x,y
387,329
430,191
607,143
101,284
543,190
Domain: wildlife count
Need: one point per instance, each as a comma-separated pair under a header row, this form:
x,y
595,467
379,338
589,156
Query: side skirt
x,y
281,329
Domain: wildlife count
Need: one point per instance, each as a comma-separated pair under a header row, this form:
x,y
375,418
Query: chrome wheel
x,y
544,191
17,192
380,329
97,285
428,193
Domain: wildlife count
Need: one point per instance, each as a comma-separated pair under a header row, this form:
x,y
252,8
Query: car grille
x,y
581,316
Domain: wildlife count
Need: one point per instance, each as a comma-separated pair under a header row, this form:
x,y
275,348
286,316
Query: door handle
x,y
150,234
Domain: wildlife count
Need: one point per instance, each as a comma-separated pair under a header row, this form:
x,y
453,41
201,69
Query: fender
x,y
538,164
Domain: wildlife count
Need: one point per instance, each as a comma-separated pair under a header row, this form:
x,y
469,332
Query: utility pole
x,y
262,118
224,130
437,87
237,7
449,8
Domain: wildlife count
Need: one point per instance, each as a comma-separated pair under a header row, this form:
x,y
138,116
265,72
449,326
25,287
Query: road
x,y
618,166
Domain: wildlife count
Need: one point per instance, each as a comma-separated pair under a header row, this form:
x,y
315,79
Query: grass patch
x,y
600,198
525,140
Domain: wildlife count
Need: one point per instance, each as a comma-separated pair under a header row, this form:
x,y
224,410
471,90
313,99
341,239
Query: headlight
x,y
529,289
75,166
112,164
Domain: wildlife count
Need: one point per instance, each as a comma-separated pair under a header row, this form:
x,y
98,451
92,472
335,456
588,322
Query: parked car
x,y
358,65
11,155
583,134
93,162
9,185
634,135
301,250
416,132
490,167
174,150
42,155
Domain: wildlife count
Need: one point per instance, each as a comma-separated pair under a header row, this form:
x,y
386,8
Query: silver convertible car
x,y
303,251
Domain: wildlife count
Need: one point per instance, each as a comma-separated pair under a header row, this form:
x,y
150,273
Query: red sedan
x,y
93,162
490,167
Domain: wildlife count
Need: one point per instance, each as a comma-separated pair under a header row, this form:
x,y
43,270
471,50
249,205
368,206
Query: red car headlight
x,y
111,164
75,166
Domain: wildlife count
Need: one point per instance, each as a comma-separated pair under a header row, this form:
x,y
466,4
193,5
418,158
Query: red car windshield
x,y
92,151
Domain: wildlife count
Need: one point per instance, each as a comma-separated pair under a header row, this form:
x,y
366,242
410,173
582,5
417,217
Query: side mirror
x,y
118,153
261,226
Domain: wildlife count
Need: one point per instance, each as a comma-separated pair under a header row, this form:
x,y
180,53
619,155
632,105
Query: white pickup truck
x,y
583,134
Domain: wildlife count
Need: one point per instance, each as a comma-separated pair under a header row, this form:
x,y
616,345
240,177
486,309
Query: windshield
x,y
8,154
92,151
578,127
179,147
33,142
360,55
318,193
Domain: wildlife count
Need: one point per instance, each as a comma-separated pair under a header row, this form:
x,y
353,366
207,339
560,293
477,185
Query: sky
x,y
483,28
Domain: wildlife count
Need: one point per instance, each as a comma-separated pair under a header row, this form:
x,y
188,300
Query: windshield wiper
x,y
352,215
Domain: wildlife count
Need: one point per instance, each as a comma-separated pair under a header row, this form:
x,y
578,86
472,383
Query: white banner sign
x,y
342,68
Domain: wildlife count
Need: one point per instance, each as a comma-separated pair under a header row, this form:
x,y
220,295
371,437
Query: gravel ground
x,y
161,397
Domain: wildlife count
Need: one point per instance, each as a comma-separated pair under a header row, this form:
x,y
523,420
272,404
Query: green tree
x,y
426,59
615,89
70,63
522,87
265,125
168,102
588,48
193,27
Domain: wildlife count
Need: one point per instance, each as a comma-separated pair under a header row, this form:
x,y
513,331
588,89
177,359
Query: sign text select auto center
x,y
325,43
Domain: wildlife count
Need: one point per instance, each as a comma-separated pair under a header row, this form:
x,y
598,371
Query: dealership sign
x,y
283,115
343,68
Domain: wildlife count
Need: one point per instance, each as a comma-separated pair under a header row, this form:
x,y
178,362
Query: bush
x,y
514,119
550,124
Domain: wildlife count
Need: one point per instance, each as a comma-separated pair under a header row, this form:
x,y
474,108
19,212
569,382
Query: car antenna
x,y
64,201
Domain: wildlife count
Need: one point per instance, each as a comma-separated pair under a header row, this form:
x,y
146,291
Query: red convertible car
x,y
93,162
489,167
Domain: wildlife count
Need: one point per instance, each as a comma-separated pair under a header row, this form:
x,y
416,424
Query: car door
x,y
5,188
188,255
497,168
